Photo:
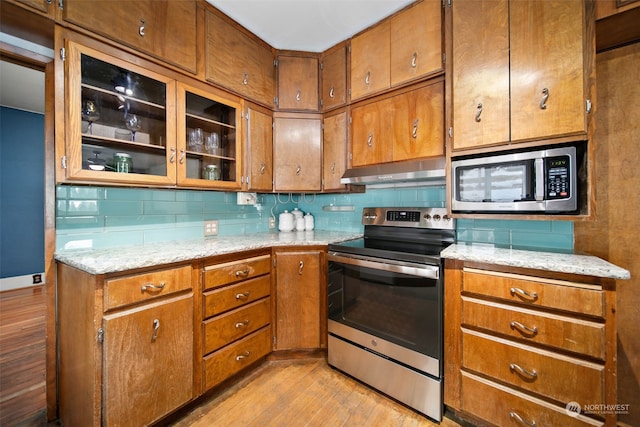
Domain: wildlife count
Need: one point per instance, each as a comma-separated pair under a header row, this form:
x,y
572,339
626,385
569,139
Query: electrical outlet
x,y
272,222
211,228
247,198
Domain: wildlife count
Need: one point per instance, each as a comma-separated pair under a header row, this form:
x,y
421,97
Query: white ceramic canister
x,y
300,223
297,213
285,221
308,222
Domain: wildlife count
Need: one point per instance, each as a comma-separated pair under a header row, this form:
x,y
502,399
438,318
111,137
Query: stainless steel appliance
x,y
543,180
386,304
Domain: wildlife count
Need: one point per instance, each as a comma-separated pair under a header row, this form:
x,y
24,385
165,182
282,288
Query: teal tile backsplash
x,y
100,217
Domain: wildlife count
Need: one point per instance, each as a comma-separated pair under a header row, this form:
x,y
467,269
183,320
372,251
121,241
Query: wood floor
x,y
303,392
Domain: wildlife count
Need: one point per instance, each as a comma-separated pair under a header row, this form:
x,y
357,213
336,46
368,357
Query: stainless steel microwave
x,y
543,180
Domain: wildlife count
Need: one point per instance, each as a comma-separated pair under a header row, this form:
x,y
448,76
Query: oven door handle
x,y
411,269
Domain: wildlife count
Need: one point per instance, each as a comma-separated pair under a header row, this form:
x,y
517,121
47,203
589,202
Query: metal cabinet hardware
x,y
182,156
300,267
298,96
242,324
367,78
156,328
152,287
243,295
414,133
518,418
545,96
526,374
331,92
141,28
245,79
262,168
478,112
244,272
298,170
530,296
172,158
243,356
414,60
524,329
370,140
333,168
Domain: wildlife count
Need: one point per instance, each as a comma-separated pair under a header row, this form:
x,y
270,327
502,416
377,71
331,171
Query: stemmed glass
x,y
133,123
90,112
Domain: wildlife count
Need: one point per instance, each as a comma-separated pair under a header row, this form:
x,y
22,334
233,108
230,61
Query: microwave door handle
x,y
539,171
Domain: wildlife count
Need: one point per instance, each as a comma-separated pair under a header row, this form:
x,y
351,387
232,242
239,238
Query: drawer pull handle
x,y
528,375
520,420
331,92
242,356
531,296
543,101
478,112
156,328
414,60
244,272
524,329
152,287
367,78
300,267
243,295
243,324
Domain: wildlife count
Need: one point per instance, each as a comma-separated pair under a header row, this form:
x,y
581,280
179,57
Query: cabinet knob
x,y
518,418
141,28
545,96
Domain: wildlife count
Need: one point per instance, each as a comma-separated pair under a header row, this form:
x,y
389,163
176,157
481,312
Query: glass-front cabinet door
x,y
209,149
120,120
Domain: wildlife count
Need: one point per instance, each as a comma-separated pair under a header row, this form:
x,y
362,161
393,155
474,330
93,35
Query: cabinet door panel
x,y
480,73
416,42
297,154
547,45
260,149
334,78
372,133
298,300
421,131
370,56
166,29
148,361
334,153
297,83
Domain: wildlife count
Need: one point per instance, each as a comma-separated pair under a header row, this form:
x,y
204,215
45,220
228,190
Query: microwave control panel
x,y
557,177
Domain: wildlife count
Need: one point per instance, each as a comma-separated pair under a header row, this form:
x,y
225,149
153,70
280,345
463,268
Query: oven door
x,y
398,302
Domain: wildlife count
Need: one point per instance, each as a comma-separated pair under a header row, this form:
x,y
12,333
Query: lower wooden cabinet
x,y
125,345
526,348
299,299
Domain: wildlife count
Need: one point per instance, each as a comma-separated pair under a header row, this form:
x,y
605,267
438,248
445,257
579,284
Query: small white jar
x,y
286,221
300,223
308,222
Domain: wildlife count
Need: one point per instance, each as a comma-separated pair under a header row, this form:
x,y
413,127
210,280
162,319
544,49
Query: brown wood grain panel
x,y
226,328
334,77
217,275
370,59
226,298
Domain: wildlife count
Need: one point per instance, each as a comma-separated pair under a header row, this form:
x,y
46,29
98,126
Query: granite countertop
x,y
575,263
111,260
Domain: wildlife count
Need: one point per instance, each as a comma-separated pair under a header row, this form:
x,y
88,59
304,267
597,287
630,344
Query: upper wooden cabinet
x,y
237,61
370,56
416,42
334,151
333,67
526,77
372,133
405,47
259,148
297,83
164,29
45,7
297,152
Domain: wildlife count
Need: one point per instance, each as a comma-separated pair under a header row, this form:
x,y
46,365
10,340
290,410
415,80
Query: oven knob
x,y
427,217
446,218
436,217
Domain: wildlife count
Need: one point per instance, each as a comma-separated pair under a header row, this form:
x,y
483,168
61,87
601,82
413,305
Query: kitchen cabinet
x,y
407,125
300,281
43,7
210,146
236,325
166,30
334,151
416,42
129,124
297,152
125,345
523,346
297,83
238,61
333,68
259,146
370,61
527,77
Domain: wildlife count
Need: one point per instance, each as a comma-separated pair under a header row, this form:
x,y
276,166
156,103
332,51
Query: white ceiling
x,y
307,25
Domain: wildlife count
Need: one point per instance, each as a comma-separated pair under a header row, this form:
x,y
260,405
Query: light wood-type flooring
x,y
302,392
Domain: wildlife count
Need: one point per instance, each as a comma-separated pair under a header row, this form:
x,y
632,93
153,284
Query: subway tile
x,y
121,207
76,192
173,234
167,207
115,222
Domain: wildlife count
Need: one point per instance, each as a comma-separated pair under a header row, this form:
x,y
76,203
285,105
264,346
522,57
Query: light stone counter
x,y
111,260
584,264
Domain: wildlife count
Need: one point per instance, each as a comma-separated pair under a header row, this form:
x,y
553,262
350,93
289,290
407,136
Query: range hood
x,y
425,172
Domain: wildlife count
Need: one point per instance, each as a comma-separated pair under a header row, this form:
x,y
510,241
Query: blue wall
x,y
21,192
98,217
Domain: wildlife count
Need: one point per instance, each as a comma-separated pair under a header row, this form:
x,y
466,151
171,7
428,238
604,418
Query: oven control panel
x,y
408,217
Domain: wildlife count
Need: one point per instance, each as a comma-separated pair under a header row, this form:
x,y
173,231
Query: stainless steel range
x,y
386,304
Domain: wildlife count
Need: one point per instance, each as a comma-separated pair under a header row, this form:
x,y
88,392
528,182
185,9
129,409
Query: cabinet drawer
x,y
145,286
234,271
576,335
559,377
231,359
508,404
228,327
568,296
230,297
